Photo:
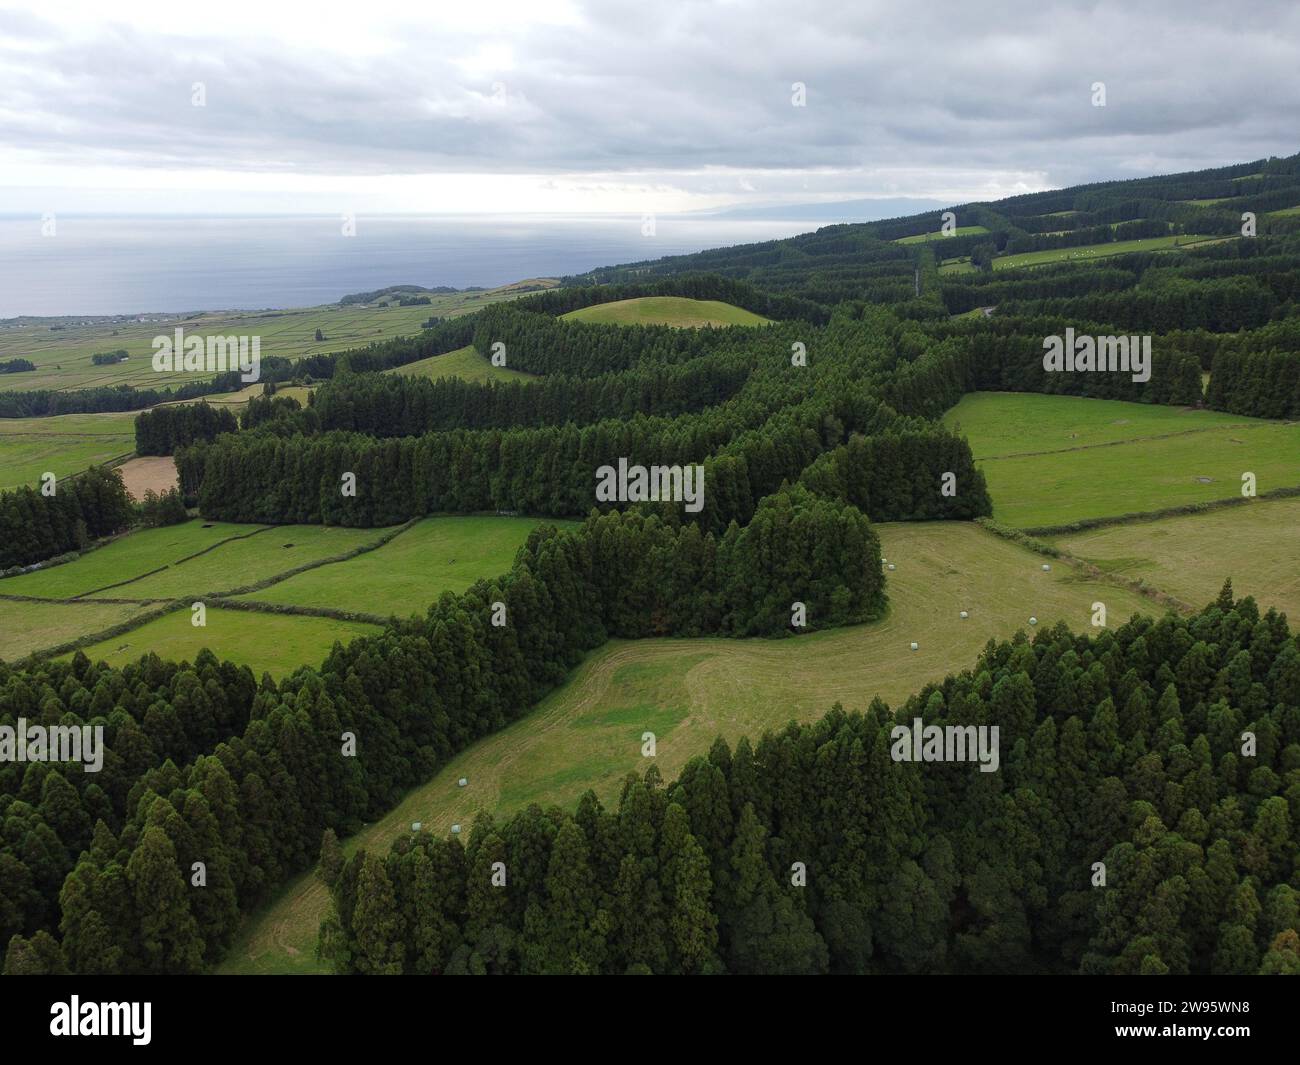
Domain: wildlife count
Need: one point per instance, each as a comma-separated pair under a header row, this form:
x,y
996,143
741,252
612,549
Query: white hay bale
x,y
1033,620
892,566
455,830
1046,567
461,782
915,645
964,615
416,826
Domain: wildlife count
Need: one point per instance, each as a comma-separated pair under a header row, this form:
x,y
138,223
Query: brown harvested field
x,y
149,471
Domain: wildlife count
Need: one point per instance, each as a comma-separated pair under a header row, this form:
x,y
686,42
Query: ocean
x,y
92,265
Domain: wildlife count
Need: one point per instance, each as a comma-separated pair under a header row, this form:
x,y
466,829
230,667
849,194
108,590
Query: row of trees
x,y
541,344
1263,384
1221,306
204,765
390,405
1128,829
1003,354
35,526
965,292
162,430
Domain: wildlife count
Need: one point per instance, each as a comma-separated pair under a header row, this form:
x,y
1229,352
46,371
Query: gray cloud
x,y
936,90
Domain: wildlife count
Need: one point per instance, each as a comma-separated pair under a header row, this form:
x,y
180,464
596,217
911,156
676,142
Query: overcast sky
x,y
610,105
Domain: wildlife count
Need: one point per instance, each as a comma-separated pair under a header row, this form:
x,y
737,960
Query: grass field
x,y
1101,251
62,356
272,643
1285,212
1190,555
26,627
238,563
465,363
62,445
960,231
125,558
1049,460
1014,423
667,310
587,734
407,574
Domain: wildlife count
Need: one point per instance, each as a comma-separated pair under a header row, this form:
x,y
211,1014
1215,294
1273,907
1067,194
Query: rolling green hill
x,y
667,310
465,363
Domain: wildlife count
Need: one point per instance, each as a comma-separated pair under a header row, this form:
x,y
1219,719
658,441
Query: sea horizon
x,y
96,264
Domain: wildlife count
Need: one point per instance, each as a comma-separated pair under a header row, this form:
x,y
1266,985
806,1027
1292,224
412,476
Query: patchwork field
x,y
667,310
410,572
272,643
587,734
465,363
124,559
241,562
1050,460
200,560
64,444
1257,545
62,355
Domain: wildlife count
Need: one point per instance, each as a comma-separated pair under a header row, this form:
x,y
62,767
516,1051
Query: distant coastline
x,y
104,266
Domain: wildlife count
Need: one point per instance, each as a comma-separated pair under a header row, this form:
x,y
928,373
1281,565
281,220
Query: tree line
x,y
391,405
162,430
35,526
